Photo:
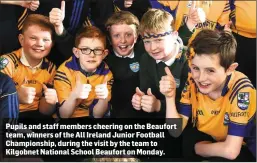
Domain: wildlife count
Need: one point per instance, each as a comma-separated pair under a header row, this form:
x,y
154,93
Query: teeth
x,y
123,46
204,84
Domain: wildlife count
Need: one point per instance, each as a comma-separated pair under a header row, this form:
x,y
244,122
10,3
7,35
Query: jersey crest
x,y
3,62
134,66
243,100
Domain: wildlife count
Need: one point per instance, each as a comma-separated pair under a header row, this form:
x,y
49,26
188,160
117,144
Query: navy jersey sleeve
x,y
9,105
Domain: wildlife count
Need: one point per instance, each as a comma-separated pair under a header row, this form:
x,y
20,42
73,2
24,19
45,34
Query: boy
x,y
29,69
83,82
221,101
123,60
164,48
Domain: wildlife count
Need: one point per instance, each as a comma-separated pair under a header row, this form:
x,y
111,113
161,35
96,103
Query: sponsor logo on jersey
x,y
243,100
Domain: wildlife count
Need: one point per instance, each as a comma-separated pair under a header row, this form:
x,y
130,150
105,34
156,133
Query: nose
x,y
40,42
201,77
122,39
153,46
92,54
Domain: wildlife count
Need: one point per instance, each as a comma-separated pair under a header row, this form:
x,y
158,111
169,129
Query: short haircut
x,y
155,20
90,32
122,17
211,42
39,20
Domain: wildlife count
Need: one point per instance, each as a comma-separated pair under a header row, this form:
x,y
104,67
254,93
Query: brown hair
x,y
155,20
122,17
211,42
39,20
90,32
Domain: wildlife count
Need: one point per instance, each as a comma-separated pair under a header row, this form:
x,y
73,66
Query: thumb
x,y
149,92
44,87
193,5
167,71
63,7
139,92
105,79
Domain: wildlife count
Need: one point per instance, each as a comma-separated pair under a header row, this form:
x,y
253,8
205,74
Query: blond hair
x,y
122,17
155,20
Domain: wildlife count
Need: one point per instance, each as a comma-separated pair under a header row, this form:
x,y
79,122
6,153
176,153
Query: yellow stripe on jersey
x,y
22,18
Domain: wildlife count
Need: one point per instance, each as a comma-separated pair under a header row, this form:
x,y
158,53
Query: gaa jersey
x,y
216,13
231,114
65,82
243,16
11,65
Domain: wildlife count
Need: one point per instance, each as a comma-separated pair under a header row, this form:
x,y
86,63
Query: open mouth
x,y
203,85
38,50
123,47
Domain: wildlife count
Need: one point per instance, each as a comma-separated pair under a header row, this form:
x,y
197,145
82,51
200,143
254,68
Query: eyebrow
x,y
98,47
204,68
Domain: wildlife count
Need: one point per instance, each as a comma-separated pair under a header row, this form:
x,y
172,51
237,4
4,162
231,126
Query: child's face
x,y
36,42
89,60
208,74
160,47
123,38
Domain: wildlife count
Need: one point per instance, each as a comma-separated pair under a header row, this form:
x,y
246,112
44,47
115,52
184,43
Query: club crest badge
x,y
3,62
189,4
134,67
226,119
243,100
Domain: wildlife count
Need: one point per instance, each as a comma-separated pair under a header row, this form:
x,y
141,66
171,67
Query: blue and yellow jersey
x,y
65,82
11,65
216,13
231,114
243,16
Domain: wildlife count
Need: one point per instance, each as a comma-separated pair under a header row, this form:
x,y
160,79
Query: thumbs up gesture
x,y
50,95
56,17
195,16
128,3
168,84
149,102
101,90
81,91
26,94
136,99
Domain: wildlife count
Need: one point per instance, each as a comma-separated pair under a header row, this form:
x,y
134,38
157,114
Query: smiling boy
x,y
83,82
220,100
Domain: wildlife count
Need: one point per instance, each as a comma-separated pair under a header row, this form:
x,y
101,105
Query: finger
x,y
63,7
149,92
193,6
167,71
78,79
139,92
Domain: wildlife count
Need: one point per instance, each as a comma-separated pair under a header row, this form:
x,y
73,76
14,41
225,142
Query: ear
x,y
231,68
21,39
75,52
105,53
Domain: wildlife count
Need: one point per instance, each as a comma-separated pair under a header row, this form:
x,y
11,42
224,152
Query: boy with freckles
x,y
31,72
83,82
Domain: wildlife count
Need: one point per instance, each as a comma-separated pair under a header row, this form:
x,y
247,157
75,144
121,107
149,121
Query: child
x,y
123,60
29,69
220,100
164,48
83,82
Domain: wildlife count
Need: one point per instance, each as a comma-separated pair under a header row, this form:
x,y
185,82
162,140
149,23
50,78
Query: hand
x,y
228,27
26,94
149,102
128,3
56,17
136,99
81,91
195,16
30,4
50,95
168,84
101,90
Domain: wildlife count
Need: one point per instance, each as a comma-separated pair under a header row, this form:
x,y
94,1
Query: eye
x,y
146,41
128,34
33,38
159,40
116,36
195,68
210,71
46,40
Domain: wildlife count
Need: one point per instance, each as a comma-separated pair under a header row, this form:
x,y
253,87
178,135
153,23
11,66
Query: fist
x,y
101,91
26,94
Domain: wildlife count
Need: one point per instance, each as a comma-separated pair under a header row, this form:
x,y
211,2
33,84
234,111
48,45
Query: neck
x,y
32,62
217,93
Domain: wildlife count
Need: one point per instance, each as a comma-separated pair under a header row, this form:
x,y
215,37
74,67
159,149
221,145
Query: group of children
x,y
146,72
